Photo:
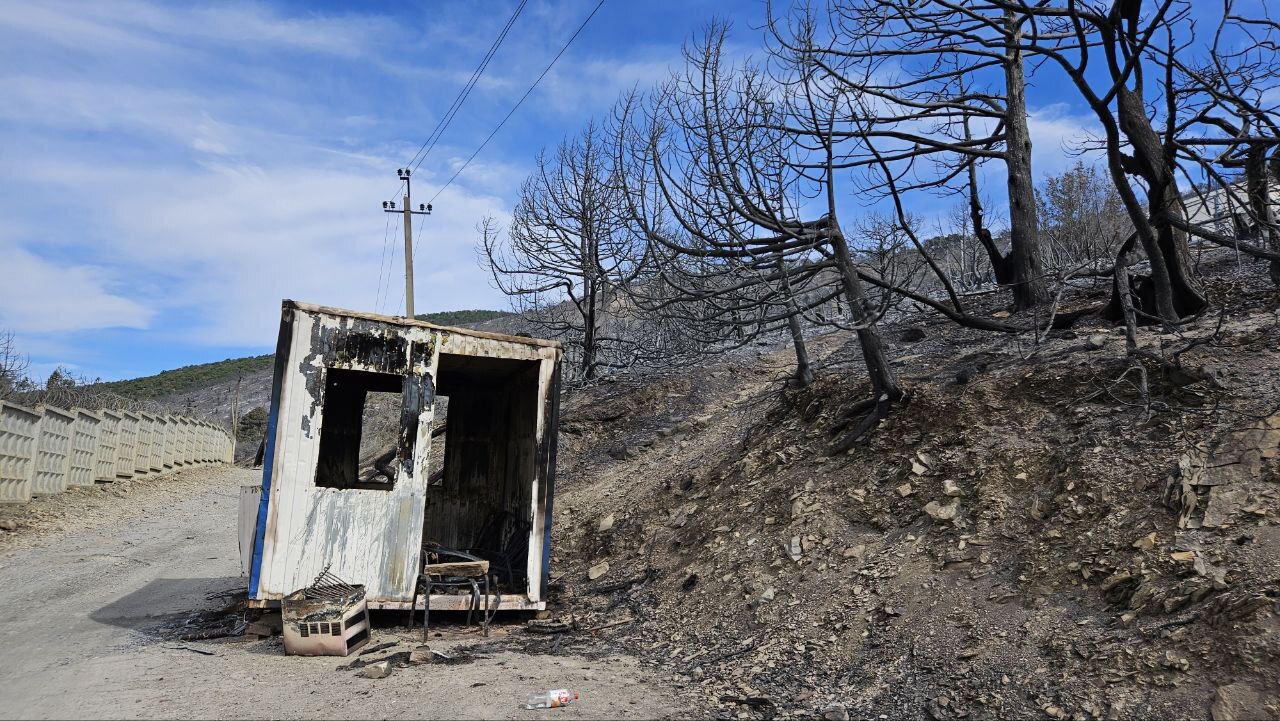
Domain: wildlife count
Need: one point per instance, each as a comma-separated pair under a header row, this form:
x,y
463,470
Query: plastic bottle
x,y
551,699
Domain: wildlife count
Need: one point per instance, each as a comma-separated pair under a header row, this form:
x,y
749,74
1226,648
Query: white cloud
x,y
39,296
1057,135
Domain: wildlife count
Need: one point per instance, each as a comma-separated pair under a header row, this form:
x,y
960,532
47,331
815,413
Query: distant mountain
x,y
462,317
209,389
188,378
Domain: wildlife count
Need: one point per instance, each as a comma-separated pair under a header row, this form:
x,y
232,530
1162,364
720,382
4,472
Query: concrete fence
x,y
45,450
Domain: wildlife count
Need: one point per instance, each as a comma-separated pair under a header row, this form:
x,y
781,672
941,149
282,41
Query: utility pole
x,y
389,206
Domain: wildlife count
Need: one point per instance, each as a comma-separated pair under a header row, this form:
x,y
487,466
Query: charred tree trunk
x,y
1029,287
589,336
1259,190
885,388
804,370
1170,293
1001,267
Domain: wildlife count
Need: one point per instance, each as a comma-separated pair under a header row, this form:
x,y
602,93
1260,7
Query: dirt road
x,y
91,579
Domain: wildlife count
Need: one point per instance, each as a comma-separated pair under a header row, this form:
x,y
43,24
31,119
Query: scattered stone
x,y
1147,542
605,523
940,512
1095,342
858,551
420,655
381,669
835,712
620,452
8,524
794,549
1173,661
1183,556
598,570
1055,712
905,490
949,488
768,594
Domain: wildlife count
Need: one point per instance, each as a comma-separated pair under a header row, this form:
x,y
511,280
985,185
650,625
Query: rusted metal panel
x,y
81,465
126,444
105,454
19,433
373,536
53,451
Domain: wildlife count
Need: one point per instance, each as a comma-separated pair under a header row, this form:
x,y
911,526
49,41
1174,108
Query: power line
x,y
386,235
516,107
443,124
475,78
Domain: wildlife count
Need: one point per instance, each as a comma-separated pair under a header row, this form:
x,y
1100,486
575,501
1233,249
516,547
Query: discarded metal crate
x,y
328,618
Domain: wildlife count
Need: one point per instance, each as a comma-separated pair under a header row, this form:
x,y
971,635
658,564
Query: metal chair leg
x,y
475,599
426,613
484,620
413,603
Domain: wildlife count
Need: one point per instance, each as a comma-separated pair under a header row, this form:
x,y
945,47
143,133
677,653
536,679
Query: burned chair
x,y
446,568
503,542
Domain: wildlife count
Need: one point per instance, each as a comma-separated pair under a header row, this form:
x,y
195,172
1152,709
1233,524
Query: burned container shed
x,y
386,435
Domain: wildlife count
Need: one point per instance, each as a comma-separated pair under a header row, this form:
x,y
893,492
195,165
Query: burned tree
x,y
565,253
721,177
942,93
1132,64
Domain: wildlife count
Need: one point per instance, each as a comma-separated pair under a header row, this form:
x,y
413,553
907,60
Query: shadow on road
x,y
180,607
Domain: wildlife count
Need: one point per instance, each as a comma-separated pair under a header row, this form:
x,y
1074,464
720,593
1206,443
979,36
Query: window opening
x,y
360,438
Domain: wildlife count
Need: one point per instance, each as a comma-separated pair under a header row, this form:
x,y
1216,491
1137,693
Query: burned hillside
x,y
1027,537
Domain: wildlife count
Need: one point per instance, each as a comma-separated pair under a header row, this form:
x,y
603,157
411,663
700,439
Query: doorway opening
x,y
482,503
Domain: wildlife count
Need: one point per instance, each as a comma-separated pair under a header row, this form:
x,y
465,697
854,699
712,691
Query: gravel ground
x,y
93,581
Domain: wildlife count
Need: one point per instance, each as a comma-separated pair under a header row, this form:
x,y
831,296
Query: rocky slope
x,y
1026,539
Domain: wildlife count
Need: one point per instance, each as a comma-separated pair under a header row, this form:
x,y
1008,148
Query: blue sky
x,y
169,172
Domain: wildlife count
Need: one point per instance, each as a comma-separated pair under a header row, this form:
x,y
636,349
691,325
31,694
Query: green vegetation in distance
x,y
461,317
203,375
187,378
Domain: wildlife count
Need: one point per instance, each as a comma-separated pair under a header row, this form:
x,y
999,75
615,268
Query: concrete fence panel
x,y
179,441
126,444
154,458
205,442
143,442
53,451
189,444
105,457
170,437
19,432
84,447
198,456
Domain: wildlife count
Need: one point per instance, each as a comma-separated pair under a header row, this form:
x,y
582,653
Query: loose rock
x,y
381,669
